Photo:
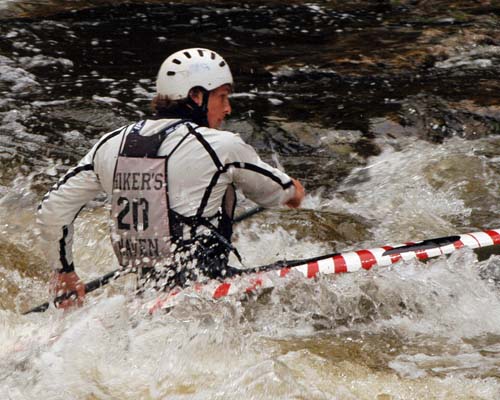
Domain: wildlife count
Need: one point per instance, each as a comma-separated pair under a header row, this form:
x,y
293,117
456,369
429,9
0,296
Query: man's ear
x,y
196,95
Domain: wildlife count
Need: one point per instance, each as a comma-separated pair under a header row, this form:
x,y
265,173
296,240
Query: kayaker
x,y
171,180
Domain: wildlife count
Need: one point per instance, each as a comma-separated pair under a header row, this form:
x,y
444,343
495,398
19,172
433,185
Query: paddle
x,y
423,245
247,214
89,287
278,265
105,279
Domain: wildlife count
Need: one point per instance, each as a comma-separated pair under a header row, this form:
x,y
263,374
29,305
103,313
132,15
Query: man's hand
x,y
296,200
64,282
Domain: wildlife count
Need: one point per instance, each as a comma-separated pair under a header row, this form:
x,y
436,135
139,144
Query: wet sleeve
x,y
60,207
261,183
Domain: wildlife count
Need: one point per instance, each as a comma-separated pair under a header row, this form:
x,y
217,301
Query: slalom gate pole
x,y
264,276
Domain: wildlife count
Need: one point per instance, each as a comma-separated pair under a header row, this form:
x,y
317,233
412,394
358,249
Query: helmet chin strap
x,y
199,114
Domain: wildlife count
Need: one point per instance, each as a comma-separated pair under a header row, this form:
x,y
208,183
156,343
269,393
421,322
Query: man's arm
x,y
55,217
267,186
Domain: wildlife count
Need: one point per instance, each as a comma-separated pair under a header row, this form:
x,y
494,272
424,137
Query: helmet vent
x,y
176,61
171,73
186,53
200,52
212,56
222,63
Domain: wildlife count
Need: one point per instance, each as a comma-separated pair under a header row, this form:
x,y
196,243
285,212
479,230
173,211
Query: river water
x,y
387,111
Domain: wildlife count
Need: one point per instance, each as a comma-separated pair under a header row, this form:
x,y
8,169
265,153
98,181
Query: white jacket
x,y
190,170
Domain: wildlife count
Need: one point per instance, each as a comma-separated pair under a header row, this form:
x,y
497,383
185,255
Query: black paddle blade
x,y
41,308
231,271
247,214
424,245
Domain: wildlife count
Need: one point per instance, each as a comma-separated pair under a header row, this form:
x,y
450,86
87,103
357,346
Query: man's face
x,y
218,105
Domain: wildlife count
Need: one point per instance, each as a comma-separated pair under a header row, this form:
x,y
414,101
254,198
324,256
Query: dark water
x,y
389,113
333,69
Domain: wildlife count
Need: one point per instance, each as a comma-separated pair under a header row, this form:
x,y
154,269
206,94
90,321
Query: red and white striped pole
x,y
338,263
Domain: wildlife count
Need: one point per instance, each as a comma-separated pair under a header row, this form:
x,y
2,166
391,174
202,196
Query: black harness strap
x,y
105,139
178,144
259,170
207,147
198,218
137,145
206,195
213,182
223,239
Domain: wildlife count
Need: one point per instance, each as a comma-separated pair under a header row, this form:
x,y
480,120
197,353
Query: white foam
x,y
22,80
396,190
106,100
39,61
479,57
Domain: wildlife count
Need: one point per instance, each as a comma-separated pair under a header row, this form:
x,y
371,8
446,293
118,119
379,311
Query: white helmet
x,y
188,68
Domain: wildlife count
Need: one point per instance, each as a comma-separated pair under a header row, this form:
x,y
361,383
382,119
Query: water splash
x,y
421,190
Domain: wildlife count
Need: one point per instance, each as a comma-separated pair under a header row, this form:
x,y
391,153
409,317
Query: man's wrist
x,y
66,269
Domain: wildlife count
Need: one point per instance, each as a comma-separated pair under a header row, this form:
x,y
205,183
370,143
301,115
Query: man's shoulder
x,y
220,135
146,125
152,126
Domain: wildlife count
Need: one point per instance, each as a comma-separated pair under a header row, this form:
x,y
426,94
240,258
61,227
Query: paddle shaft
x,y
89,287
105,279
412,247
247,214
